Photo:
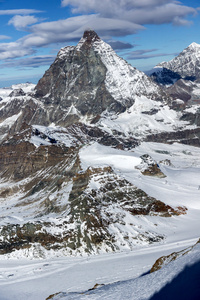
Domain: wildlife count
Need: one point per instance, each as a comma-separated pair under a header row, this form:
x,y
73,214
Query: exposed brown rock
x,y
21,160
164,260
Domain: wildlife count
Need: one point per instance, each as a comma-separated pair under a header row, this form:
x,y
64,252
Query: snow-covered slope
x,y
116,276
55,199
177,280
123,81
184,66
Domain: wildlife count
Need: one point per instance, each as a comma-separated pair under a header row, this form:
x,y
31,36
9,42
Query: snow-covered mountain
x,y
57,198
180,77
89,79
186,64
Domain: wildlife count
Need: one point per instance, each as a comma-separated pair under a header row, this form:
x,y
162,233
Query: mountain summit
x,y
92,78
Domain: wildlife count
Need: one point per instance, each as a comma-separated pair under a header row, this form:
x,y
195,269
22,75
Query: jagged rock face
x,y
185,90
17,92
19,158
181,90
164,76
92,78
188,137
193,118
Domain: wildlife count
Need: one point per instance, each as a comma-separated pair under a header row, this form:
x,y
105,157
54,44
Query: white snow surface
x,y
136,121
37,279
54,132
10,121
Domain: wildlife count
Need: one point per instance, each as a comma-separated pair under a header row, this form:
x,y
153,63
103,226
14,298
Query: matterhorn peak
x,y
90,36
94,79
88,39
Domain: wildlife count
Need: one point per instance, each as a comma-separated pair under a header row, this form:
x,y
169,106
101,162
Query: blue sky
x,y
144,32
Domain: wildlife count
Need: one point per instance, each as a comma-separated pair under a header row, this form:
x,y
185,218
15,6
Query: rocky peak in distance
x,y
184,66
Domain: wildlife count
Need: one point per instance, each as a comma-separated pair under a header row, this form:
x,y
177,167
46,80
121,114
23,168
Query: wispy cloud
x,y
29,62
111,19
13,50
21,22
69,30
19,11
145,54
118,45
4,37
